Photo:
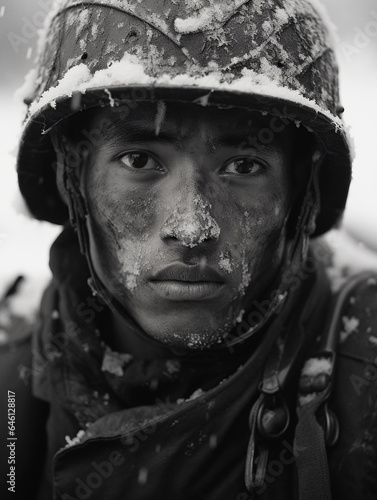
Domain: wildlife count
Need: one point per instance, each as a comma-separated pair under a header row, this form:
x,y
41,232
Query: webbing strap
x,y
310,452
311,439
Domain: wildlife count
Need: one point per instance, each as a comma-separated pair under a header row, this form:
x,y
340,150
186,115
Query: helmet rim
x,y
36,157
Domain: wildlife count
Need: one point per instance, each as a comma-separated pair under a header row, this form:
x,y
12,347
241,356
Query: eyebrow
x,y
136,131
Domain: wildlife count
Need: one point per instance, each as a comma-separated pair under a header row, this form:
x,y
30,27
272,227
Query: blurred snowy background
x,y
24,243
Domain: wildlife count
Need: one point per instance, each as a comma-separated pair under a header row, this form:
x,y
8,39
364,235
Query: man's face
x,y
187,225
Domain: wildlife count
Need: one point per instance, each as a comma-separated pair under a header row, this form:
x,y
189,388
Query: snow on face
x,y
195,225
129,256
225,262
187,197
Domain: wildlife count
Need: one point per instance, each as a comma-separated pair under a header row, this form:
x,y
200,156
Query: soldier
x,y
189,345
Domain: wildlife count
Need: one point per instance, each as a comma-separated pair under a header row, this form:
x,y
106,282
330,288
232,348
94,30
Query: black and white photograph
x,y
188,250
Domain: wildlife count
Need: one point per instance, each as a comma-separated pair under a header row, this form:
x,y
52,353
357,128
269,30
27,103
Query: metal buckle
x,y
273,417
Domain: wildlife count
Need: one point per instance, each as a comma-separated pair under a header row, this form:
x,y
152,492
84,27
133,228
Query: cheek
x,y
121,210
120,224
255,239
131,255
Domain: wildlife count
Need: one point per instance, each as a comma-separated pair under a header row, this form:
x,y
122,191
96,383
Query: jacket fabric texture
x,y
95,424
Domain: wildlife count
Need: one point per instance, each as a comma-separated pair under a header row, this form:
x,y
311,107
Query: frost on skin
x,y
246,276
130,257
195,226
166,218
225,262
350,325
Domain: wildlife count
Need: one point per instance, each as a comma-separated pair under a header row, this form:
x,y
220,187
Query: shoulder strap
x,y
270,417
318,426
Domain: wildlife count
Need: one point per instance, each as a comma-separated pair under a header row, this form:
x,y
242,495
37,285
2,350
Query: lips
x,y
181,282
183,272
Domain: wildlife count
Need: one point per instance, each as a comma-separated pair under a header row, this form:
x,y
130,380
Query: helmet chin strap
x,y
297,250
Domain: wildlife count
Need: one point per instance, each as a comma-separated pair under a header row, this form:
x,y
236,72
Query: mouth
x,y
179,282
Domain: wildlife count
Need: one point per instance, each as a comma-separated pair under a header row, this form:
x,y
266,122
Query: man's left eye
x,y
140,161
243,166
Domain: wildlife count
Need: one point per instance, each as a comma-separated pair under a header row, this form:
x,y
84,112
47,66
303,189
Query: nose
x,y
190,222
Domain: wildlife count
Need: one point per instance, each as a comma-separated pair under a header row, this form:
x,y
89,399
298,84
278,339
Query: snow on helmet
x,y
263,55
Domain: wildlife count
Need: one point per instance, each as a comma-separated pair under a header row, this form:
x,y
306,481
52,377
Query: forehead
x,y
182,122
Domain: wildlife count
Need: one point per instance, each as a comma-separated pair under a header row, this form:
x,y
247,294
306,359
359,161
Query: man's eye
x,y
243,166
140,161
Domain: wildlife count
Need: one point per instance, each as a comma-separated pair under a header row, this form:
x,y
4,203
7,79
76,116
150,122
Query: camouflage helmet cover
x,y
272,56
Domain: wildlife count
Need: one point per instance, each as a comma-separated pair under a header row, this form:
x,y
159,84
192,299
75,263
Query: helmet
x,y
264,55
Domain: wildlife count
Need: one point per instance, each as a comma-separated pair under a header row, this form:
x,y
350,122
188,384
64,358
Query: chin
x,y
193,339
189,326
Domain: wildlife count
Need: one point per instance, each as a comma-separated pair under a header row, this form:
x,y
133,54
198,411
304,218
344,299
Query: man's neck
x,y
125,338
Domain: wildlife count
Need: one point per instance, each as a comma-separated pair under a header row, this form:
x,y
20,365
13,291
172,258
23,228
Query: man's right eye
x,y
140,161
